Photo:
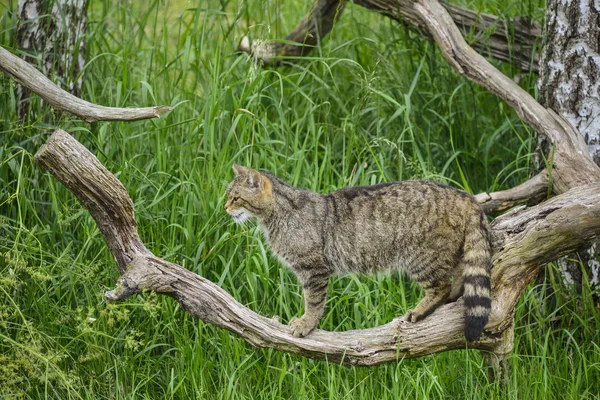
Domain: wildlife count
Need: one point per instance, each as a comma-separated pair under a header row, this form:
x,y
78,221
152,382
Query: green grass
x,y
374,103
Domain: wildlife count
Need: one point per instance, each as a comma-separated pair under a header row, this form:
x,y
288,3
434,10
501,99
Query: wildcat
x,y
436,234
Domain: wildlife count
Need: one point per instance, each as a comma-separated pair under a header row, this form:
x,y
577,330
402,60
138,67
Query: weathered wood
x,y
28,76
514,40
529,193
523,242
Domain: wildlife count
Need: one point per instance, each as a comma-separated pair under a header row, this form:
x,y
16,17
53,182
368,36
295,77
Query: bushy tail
x,y
477,261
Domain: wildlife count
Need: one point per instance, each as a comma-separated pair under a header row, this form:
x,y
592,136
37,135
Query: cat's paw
x,y
412,316
300,327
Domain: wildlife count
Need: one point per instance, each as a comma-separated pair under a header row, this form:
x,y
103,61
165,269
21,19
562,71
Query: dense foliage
x,y
375,103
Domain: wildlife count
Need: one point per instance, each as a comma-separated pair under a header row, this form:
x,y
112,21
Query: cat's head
x,y
249,194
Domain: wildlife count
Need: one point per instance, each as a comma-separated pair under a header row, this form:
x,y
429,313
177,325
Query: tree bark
x,y
52,33
569,84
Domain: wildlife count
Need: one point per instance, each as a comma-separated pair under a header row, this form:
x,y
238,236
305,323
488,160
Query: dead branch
x,y
570,162
25,74
523,242
513,40
529,193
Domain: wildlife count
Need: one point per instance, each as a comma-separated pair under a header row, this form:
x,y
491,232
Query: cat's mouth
x,y
238,216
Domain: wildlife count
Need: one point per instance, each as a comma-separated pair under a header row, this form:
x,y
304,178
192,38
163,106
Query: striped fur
x,y
476,277
436,234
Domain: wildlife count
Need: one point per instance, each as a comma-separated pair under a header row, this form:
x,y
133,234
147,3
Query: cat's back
x,y
401,220
429,197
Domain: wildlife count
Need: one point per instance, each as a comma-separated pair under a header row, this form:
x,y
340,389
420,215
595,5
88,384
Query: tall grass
x,y
374,103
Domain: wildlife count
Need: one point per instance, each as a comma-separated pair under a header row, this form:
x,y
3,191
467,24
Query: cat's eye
x,y
235,199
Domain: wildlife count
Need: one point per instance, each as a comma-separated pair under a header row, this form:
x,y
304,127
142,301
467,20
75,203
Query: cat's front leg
x,y
315,294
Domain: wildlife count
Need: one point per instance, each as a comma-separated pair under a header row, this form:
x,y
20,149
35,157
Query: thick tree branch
x,y
571,164
514,41
523,242
530,193
509,40
25,74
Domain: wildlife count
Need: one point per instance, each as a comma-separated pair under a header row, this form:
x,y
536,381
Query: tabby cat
x,y
436,234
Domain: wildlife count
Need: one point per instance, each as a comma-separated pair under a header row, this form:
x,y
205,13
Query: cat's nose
x,y
227,204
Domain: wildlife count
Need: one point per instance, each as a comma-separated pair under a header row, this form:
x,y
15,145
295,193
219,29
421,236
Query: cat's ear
x,y
239,170
254,177
259,181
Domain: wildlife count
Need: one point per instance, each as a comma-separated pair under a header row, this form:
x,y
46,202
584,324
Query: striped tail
x,y
477,262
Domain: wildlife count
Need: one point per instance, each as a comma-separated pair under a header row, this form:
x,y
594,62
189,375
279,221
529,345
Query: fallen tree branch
x,y
25,74
523,242
512,40
529,193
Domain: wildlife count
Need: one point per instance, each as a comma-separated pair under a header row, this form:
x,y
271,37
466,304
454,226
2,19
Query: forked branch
x,y
25,74
523,242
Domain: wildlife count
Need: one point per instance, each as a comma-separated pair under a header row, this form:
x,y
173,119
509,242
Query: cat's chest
x,y
292,244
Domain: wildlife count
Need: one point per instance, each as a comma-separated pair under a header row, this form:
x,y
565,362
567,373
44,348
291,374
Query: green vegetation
x,y
375,103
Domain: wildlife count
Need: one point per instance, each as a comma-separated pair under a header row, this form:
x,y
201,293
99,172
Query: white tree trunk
x,y
53,33
569,84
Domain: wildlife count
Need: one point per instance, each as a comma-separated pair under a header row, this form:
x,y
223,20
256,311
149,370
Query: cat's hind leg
x,y
434,297
457,283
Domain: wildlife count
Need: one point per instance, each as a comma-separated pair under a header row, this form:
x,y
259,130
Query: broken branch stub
x,y
26,75
305,36
523,241
529,193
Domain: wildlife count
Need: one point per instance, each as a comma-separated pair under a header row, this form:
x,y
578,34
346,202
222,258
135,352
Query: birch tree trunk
x,y
52,32
569,84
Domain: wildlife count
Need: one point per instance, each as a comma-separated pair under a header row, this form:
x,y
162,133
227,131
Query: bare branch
x,y
571,165
25,74
523,241
491,34
501,32
530,193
